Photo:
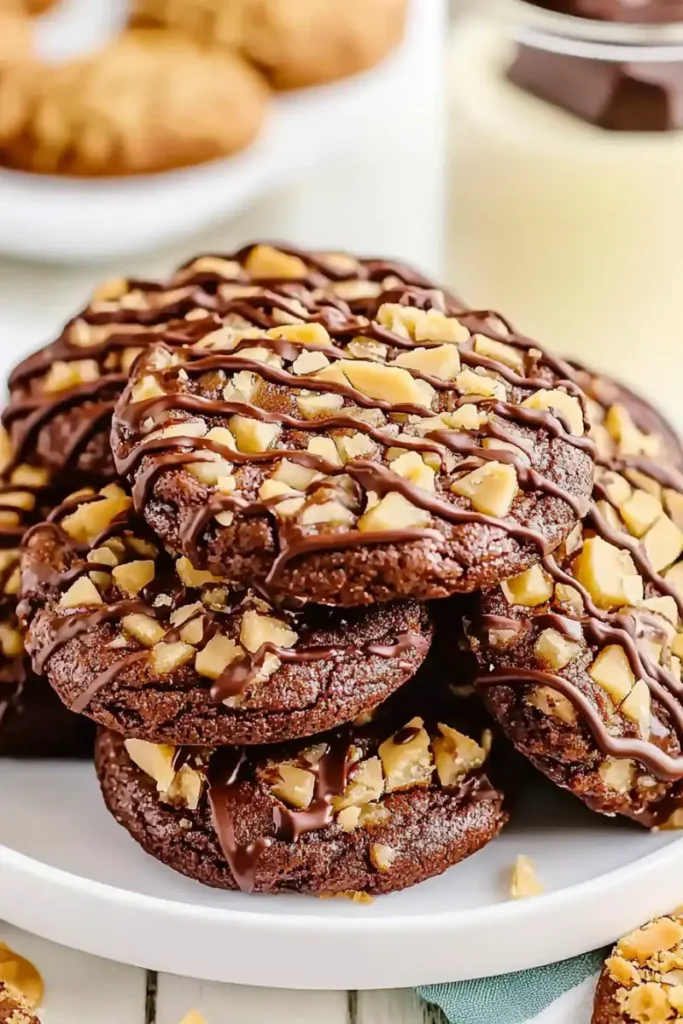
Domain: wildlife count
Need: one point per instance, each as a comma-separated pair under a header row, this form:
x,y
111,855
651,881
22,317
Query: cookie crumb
x,y
348,894
524,881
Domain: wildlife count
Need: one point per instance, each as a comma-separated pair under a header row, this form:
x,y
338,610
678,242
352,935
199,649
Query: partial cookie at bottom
x,y
642,980
342,814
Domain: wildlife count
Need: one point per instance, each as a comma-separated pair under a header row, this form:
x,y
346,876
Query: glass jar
x,y
567,182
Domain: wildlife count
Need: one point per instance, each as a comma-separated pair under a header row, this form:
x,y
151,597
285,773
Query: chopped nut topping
x,y
491,488
92,518
264,262
168,657
155,759
317,404
407,764
366,785
382,856
81,593
213,659
354,446
612,671
442,361
143,628
329,512
640,511
524,881
258,630
559,402
506,354
145,388
637,707
411,466
618,774
622,971
295,787
63,376
530,589
132,577
192,577
554,649
455,755
608,573
253,436
421,325
550,702
393,512
656,937
663,543
471,383
387,383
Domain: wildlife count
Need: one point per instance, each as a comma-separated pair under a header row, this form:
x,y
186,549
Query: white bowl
x,y
71,874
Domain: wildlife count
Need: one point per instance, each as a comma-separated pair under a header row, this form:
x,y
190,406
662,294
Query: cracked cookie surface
x,y
642,980
407,451
362,810
147,645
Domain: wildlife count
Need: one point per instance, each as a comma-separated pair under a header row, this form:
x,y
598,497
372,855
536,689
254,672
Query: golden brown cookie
x,y
149,101
296,42
15,35
642,981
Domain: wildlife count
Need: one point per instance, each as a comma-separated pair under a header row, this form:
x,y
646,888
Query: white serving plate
x,y
69,873
72,219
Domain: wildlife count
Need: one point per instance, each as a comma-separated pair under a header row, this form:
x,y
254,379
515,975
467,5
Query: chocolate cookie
x,y
642,981
13,1007
361,810
147,102
62,396
581,655
145,644
295,42
405,453
33,722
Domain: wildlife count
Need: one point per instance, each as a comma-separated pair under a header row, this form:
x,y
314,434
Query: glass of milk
x,y
566,195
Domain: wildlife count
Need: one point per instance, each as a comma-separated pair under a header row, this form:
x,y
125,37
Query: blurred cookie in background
x,y
148,101
641,982
295,42
15,35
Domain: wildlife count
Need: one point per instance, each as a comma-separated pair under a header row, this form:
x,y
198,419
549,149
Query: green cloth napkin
x,y
511,998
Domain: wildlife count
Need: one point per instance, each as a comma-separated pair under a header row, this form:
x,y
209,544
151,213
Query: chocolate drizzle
x,y
146,459
229,764
598,627
236,677
77,417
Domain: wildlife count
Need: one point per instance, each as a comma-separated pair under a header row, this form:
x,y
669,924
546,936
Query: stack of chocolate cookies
x,y
312,459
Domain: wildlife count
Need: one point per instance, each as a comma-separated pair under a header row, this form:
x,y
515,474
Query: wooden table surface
x,y
82,989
